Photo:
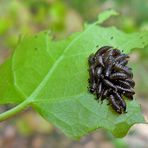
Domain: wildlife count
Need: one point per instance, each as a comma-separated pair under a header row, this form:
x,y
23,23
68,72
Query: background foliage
x,y
29,17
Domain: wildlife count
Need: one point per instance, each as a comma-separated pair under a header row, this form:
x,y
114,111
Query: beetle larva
x,y
110,78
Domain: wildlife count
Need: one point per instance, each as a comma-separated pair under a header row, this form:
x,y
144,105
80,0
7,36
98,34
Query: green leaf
x,y
8,93
105,15
52,76
81,114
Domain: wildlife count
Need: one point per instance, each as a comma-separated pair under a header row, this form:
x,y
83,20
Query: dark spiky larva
x,y
110,78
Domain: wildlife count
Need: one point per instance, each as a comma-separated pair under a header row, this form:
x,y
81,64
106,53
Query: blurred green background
x,y
62,17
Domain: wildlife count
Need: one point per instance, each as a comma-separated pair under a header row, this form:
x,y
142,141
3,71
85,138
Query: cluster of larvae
x,y
110,78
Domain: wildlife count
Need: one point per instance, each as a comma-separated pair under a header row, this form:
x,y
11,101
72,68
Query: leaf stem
x,y
14,111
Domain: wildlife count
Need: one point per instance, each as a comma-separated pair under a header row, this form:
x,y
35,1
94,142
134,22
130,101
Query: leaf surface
x,y
53,77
